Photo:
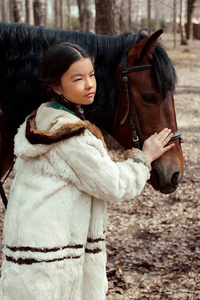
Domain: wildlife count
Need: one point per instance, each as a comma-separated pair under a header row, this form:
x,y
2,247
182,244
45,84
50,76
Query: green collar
x,y
57,105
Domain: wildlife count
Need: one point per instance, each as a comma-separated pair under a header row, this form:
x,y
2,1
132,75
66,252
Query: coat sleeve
x,y
96,174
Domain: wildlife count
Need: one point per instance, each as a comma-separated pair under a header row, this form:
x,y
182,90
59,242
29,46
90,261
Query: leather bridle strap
x,y
136,131
136,68
177,136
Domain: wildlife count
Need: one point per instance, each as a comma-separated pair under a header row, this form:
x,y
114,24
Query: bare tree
x,y
85,15
62,14
130,15
29,12
107,17
182,23
69,20
123,13
190,8
39,7
17,10
60,8
149,15
4,10
174,27
57,14
139,14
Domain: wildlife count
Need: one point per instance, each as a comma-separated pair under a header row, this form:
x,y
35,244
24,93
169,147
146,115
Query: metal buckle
x,y
135,140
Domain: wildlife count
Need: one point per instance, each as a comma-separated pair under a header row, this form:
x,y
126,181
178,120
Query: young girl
x,y
54,229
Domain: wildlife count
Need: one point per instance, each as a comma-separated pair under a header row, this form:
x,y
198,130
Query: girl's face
x,y
78,83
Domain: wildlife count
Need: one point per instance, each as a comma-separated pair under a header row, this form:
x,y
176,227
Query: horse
x,y
135,85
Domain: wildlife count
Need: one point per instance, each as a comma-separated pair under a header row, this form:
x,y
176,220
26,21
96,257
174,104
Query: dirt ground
x,y
153,241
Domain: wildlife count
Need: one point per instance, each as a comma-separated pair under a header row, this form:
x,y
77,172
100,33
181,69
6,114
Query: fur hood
x,y
36,137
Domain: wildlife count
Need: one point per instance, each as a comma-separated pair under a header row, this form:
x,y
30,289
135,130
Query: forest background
x,y
108,17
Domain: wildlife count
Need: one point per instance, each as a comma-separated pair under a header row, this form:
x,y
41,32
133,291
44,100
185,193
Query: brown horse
x,y
135,80
147,113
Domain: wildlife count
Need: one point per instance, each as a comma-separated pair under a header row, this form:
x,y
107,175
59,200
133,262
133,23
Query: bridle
x,y
130,111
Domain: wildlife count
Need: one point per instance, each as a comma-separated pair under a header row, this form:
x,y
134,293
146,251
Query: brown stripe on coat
x,y
30,261
43,250
89,240
93,251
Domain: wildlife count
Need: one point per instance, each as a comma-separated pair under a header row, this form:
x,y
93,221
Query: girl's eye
x,y
91,75
150,99
78,79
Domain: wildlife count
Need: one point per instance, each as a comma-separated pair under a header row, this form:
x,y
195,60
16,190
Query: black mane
x,y
21,51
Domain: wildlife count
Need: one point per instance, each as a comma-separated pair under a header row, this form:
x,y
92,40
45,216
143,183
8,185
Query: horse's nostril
x,y
175,178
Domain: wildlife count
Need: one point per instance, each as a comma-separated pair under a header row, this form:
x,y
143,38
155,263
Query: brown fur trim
x,y
138,156
96,131
35,136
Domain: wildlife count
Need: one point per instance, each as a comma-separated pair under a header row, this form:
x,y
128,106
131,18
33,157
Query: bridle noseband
x,y
137,134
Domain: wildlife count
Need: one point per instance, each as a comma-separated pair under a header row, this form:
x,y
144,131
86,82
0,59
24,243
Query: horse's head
x,y
146,106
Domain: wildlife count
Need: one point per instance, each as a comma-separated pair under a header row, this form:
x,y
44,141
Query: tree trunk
x,y
130,15
190,8
107,17
85,15
69,20
62,14
182,23
149,16
58,14
122,16
156,15
17,10
5,11
174,29
139,14
29,12
39,12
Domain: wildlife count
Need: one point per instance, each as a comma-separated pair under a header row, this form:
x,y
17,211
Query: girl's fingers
x,y
168,147
165,136
152,136
167,139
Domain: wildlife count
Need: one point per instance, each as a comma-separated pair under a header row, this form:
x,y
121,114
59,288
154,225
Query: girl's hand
x,y
154,146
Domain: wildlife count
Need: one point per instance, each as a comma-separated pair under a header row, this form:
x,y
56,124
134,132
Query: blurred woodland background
x,y
108,17
153,241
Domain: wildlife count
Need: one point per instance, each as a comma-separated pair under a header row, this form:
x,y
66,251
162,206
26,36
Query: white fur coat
x,y
54,228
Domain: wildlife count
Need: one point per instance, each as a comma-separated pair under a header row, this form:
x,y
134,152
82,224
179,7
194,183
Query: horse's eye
x,y
151,99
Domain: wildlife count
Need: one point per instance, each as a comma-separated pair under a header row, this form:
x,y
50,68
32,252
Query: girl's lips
x,y
90,95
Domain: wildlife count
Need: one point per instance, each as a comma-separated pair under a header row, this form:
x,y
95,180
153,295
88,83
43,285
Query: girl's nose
x,y
89,83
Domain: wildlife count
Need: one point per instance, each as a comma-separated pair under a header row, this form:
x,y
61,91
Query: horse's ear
x,y
147,45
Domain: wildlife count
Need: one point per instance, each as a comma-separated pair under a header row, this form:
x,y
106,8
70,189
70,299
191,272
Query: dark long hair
x,y
56,61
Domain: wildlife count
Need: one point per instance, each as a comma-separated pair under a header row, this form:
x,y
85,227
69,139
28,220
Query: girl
x,y
54,229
